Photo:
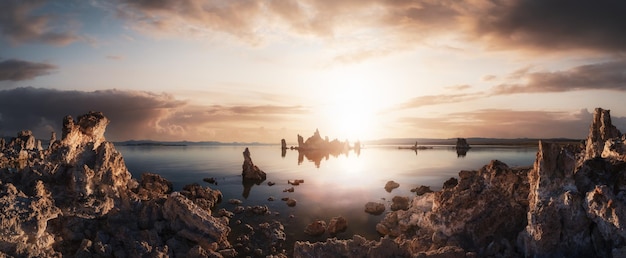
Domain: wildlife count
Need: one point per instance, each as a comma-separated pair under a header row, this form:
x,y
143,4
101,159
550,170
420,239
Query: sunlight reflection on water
x,y
341,185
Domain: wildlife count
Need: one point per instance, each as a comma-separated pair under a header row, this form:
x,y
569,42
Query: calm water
x,y
338,186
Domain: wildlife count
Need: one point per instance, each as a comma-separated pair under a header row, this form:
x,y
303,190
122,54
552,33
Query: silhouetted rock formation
x,y
251,171
283,144
77,198
461,143
569,204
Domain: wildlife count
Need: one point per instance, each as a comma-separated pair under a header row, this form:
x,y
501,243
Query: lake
x,y
332,186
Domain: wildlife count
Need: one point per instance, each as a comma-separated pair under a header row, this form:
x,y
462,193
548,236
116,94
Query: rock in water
x,y
400,203
251,171
374,208
390,185
461,143
337,225
316,228
283,144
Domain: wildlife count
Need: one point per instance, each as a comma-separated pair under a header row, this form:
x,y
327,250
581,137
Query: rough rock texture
x,y
400,203
374,208
250,171
337,225
77,198
571,203
601,132
316,228
390,185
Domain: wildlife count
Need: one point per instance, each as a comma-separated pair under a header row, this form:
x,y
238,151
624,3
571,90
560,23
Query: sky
x,y
263,70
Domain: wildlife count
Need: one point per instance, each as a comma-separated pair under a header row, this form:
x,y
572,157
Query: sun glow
x,y
351,109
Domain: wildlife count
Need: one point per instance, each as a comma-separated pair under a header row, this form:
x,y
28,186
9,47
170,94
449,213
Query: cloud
x,y
20,22
599,76
459,87
115,57
506,123
140,115
554,25
393,25
430,100
20,70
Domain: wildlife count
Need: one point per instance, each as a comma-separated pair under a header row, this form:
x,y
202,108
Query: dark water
x,y
339,186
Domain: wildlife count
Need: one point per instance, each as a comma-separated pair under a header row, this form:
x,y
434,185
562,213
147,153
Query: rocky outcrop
x,y
571,203
315,228
251,172
390,185
374,208
337,225
283,144
601,133
77,198
461,143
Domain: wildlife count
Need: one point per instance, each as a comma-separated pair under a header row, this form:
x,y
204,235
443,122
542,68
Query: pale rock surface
x,y
77,198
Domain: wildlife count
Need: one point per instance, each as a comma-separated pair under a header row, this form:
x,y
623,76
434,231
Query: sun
x,y
351,110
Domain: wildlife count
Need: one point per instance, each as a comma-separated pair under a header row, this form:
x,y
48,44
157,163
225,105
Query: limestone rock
x,y
400,203
283,144
152,186
374,208
316,228
390,185
204,197
194,223
421,190
251,171
337,225
600,131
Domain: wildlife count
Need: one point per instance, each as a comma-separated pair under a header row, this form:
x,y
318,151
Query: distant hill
x,y
471,141
184,143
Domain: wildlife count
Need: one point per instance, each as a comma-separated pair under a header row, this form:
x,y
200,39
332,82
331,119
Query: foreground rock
x,y
316,228
77,198
337,225
569,204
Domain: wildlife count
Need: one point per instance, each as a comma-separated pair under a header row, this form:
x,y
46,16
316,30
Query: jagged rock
x,y
421,190
316,228
53,139
194,223
390,185
374,208
77,198
399,203
450,183
337,225
153,186
358,246
600,131
283,144
204,197
251,171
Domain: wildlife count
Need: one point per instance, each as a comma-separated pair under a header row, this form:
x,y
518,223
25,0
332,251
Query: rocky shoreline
x,y
77,198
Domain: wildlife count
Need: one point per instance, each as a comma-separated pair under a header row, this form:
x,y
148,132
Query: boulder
x,y
400,203
461,143
390,185
374,208
421,190
316,228
337,225
249,170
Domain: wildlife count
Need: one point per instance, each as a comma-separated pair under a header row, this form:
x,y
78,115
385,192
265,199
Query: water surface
x,y
332,186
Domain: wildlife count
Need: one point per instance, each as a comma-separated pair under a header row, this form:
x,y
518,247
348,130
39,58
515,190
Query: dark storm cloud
x,y
505,123
19,70
600,76
20,23
134,114
42,110
555,24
